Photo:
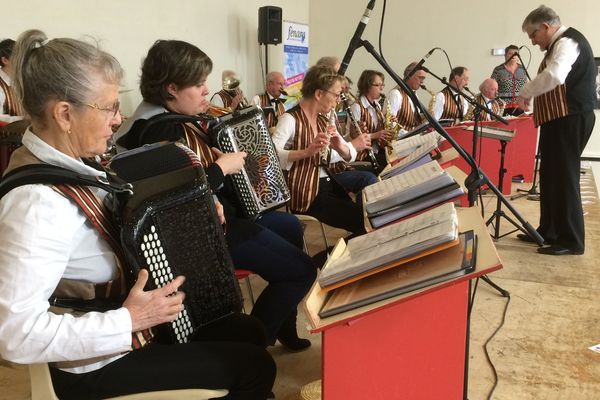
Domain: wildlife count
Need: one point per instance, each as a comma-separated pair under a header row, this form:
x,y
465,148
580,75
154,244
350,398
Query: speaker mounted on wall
x,y
269,25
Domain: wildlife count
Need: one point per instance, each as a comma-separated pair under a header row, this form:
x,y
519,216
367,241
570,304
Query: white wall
x,y
225,29
466,29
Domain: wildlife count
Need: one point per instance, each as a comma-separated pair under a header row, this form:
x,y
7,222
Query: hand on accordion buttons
x,y
153,307
230,163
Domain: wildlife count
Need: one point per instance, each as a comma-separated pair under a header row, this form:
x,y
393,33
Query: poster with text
x,y
295,59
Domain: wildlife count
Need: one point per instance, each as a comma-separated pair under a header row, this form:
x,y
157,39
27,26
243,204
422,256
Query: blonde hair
x,y
319,77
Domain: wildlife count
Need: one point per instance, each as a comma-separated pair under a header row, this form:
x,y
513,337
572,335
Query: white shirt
x,y
440,101
558,65
46,237
371,108
5,117
283,139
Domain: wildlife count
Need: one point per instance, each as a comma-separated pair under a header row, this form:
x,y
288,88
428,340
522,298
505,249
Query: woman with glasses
x,y
173,80
367,110
312,151
70,90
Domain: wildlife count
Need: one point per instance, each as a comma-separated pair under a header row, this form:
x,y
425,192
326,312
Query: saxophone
x,y
392,126
432,101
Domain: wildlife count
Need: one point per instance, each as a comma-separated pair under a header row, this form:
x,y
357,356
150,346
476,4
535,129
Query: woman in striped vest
x,y
311,149
10,109
54,237
272,247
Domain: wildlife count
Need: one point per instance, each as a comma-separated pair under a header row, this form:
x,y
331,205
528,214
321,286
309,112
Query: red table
x,y
411,346
520,151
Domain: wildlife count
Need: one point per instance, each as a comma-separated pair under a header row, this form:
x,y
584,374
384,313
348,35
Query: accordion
x,y
170,227
260,186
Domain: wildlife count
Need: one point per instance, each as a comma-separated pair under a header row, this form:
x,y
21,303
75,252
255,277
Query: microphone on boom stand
x,y
356,38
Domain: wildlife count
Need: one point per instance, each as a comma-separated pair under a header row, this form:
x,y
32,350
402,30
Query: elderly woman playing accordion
x,y
70,91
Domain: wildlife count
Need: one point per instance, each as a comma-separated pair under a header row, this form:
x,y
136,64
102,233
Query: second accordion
x,y
170,227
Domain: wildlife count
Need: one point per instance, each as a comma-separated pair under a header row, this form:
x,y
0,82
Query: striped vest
x,y
265,101
495,107
372,126
303,176
11,105
407,117
197,140
577,94
225,97
453,107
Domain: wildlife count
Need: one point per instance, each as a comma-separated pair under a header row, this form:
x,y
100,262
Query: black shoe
x,y
554,250
294,345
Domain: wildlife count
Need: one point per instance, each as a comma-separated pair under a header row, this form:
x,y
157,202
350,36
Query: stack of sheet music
x,y
408,193
403,147
415,237
420,155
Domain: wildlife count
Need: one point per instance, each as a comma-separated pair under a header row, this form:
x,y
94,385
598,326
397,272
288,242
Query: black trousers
x,y
561,214
229,354
335,208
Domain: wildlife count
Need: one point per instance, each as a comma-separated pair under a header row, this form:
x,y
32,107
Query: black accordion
x,y
170,227
260,186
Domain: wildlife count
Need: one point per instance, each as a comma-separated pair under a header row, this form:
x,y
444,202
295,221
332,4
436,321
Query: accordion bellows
x,y
170,226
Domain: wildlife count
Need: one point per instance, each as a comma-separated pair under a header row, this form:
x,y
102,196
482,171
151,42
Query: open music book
x,y
395,244
404,147
418,157
423,272
403,189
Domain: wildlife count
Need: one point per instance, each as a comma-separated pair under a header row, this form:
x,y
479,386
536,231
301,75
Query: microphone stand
x,y
532,193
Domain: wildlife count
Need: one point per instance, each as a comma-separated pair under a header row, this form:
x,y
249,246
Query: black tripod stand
x,y
532,193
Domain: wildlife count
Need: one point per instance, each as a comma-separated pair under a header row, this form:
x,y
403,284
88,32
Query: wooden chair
x,y
42,389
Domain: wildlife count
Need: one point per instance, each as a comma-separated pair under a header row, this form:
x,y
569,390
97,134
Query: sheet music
x,y
393,242
405,186
495,132
404,147
409,160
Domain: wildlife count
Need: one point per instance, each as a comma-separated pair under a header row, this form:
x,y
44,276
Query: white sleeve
x,y
394,99
217,100
438,108
558,66
33,258
256,101
283,138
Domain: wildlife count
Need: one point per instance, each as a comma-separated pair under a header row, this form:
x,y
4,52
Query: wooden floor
x,y
541,352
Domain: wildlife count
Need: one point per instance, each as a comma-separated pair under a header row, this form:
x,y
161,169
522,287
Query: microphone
x,y
283,92
420,64
354,42
469,91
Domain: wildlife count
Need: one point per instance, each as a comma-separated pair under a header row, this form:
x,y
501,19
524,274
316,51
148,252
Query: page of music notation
x,y
404,147
417,154
393,242
400,182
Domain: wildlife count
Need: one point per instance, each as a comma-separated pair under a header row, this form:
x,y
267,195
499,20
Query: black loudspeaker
x,y
269,25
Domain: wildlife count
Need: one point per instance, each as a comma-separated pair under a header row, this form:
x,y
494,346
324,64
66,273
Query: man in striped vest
x,y
488,91
231,96
272,101
10,109
400,103
449,104
564,96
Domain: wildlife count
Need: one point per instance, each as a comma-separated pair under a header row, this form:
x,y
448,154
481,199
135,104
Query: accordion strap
x,y
75,187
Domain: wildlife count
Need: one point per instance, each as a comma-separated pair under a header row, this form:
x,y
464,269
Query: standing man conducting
x,y
564,97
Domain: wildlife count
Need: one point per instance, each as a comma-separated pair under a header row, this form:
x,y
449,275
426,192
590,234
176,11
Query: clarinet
x,y
370,153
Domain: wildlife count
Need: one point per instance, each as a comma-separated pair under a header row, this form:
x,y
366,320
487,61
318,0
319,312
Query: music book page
x,y
409,161
404,147
405,187
392,243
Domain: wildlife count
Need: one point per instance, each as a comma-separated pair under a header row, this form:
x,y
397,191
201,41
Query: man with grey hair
x,y
272,101
488,91
399,103
564,97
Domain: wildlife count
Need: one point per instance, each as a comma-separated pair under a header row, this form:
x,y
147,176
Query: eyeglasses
x,y
532,34
381,85
338,96
114,109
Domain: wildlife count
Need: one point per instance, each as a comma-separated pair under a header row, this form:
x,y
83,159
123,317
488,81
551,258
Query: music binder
x,y
395,244
427,271
494,132
405,187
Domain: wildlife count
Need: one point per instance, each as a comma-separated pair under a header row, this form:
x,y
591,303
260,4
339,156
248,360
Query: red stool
x,y
244,274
